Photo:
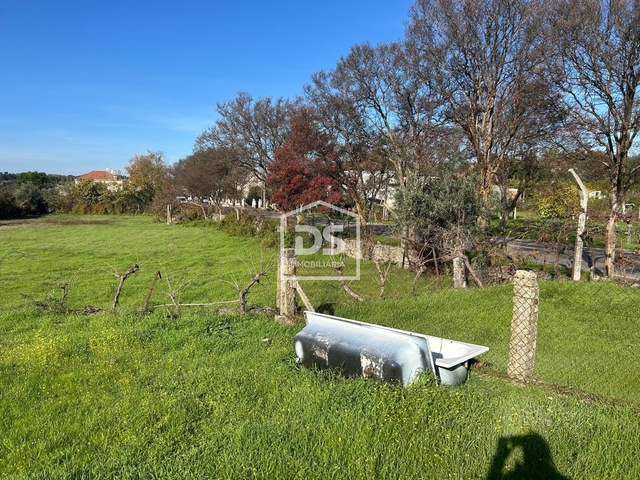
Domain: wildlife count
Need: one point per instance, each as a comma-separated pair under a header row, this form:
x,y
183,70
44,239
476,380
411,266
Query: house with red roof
x,y
113,181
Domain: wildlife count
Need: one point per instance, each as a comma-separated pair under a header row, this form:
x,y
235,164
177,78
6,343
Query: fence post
x,y
582,220
286,296
524,326
169,214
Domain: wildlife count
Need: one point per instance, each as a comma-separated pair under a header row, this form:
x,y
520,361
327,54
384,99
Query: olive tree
x,y
442,212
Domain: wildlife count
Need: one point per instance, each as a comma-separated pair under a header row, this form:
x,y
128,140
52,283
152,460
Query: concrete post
x,y
459,272
524,326
286,300
582,219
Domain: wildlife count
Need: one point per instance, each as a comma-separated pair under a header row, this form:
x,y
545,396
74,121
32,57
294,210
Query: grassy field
x,y
217,395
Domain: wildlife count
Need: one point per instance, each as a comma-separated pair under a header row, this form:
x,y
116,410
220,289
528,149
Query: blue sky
x,y
85,85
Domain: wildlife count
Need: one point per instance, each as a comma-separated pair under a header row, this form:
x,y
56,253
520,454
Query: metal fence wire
x,y
580,336
595,347
575,337
524,326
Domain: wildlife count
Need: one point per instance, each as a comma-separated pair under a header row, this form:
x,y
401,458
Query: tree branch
x,y
345,286
242,294
126,275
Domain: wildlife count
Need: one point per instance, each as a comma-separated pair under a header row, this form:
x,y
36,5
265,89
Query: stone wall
x,y
381,253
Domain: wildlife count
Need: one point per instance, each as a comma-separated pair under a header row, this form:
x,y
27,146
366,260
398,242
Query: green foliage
x,y
443,210
39,179
255,194
29,193
30,200
87,192
264,230
242,227
8,208
89,197
557,200
147,178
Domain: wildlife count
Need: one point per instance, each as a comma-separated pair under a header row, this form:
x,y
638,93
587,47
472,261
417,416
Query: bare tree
x,y
486,60
598,43
382,116
395,106
361,172
253,128
213,173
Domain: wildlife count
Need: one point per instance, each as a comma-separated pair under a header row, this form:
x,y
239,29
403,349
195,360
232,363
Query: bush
x,y
263,229
81,208
8,208
557,200
29,197
255,194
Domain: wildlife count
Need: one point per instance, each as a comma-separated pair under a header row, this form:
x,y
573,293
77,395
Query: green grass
x,y
588,334
91,252
146,395
196,260
140,396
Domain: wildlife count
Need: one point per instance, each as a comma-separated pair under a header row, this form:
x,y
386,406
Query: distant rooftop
x,y
98,175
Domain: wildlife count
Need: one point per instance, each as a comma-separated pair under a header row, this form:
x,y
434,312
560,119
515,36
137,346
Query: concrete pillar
x,y
524,326
286,296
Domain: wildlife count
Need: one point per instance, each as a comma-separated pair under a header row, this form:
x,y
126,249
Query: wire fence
x,y
576,337
595,345
579,338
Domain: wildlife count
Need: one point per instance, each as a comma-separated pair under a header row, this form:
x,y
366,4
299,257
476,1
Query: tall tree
x,y
486,60
361,171
147,176
212,173
598,43
304,168
397,108
253,128
380,114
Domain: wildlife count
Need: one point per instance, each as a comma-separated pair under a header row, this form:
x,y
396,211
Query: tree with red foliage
x,y
304,169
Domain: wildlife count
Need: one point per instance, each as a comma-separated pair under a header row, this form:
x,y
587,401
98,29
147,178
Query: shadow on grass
x,y
523,457
327,308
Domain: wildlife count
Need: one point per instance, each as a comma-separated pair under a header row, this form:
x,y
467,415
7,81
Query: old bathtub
x,y
365,349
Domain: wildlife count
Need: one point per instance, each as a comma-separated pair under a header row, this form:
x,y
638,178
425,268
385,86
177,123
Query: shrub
x,y
557,200
263,229
29,197
8,208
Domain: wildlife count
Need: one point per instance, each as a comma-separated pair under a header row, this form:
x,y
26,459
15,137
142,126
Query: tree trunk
x,y
610,244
